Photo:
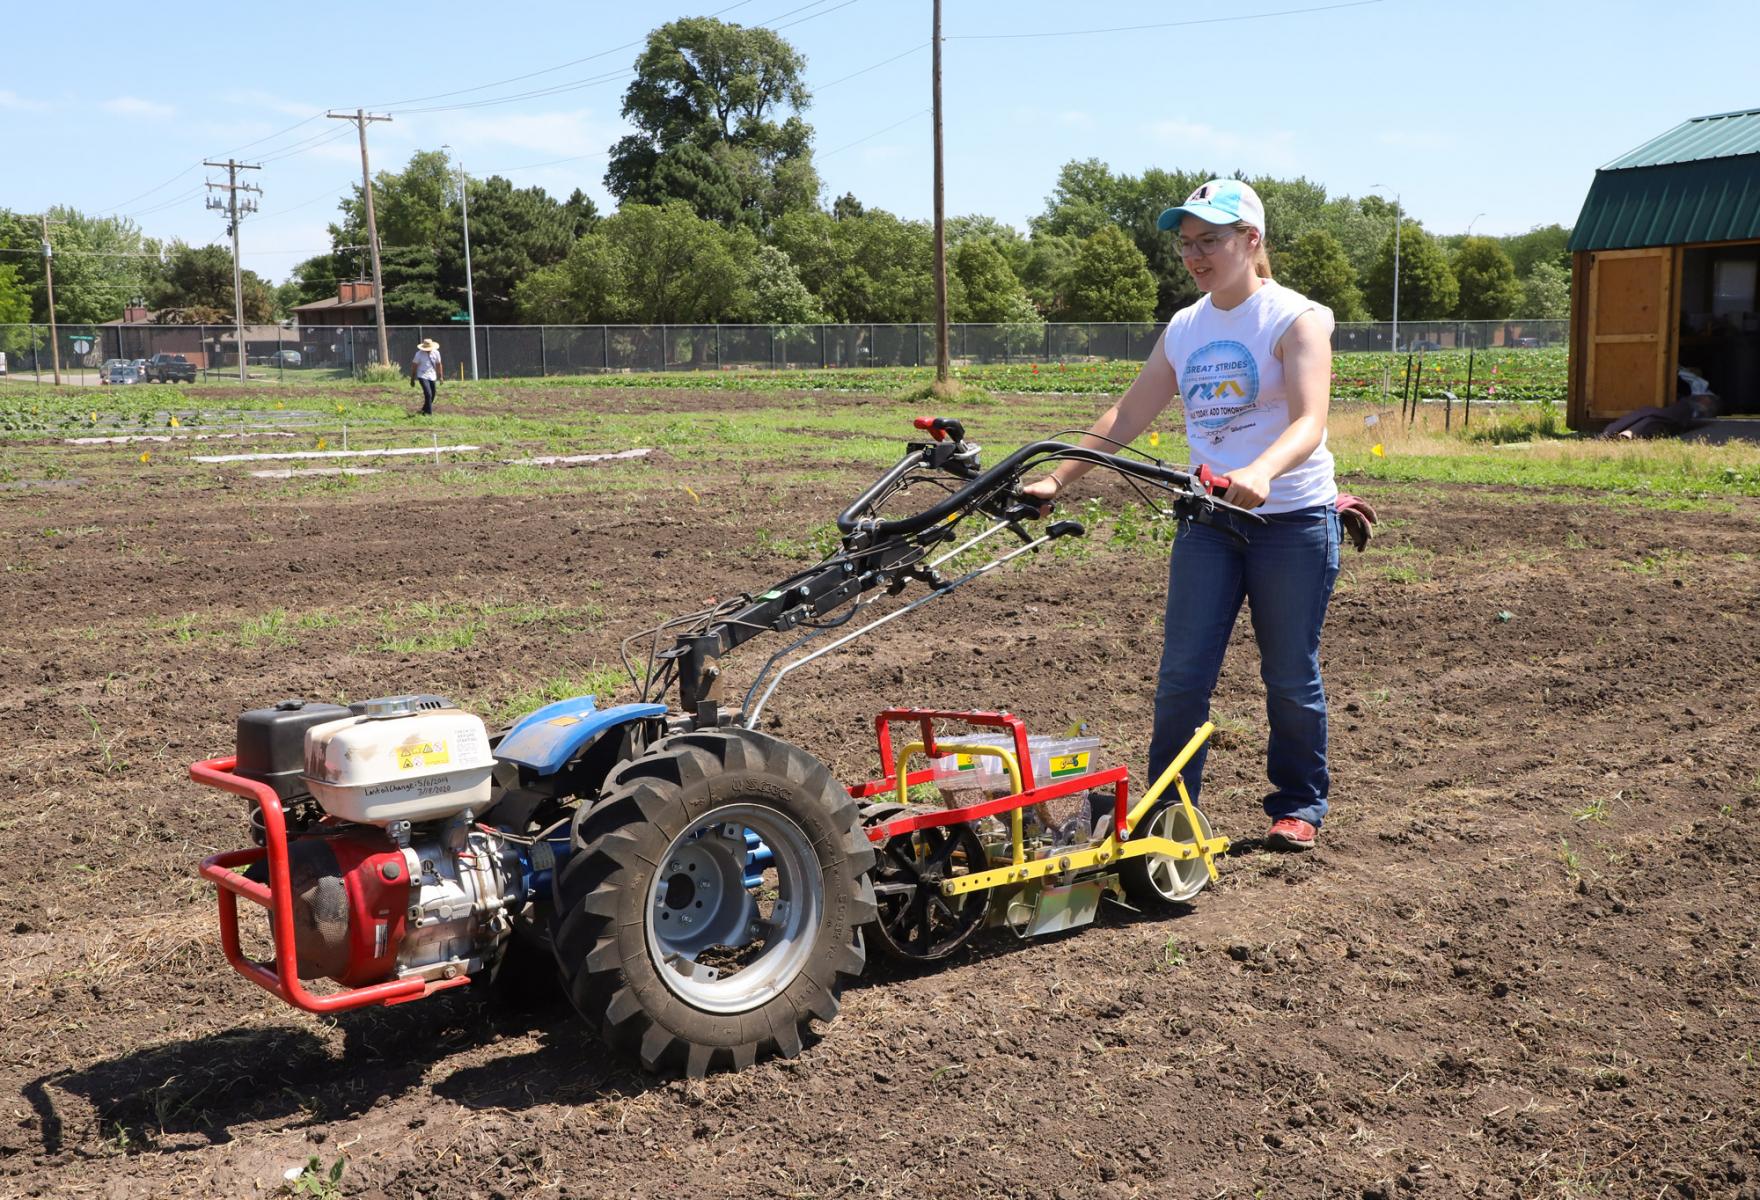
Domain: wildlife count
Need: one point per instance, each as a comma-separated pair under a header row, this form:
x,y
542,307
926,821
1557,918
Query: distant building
x,y
352,305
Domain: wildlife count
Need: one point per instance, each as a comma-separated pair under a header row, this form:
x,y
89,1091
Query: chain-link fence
x,y
292,353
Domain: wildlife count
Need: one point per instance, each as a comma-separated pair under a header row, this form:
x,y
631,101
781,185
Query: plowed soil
x,y
1521,961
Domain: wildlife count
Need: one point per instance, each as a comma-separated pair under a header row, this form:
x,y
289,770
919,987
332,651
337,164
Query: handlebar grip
x,y
1212,482
940,427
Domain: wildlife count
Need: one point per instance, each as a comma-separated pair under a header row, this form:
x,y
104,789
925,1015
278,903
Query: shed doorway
x,y
1720,322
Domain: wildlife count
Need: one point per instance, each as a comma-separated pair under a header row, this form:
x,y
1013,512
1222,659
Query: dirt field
x,y
1521,963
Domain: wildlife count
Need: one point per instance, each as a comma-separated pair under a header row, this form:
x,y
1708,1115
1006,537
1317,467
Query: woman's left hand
x,y
1248,486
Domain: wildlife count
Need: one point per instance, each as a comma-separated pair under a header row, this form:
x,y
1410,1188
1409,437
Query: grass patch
x,y
601,682
270,629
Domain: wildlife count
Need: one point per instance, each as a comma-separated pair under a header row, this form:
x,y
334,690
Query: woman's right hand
x,y
1044,490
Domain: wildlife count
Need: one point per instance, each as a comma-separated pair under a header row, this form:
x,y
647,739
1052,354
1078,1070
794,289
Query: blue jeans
x,y
1285,572
427,394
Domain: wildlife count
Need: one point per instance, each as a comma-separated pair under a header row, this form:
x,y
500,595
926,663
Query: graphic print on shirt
x,y
1220,385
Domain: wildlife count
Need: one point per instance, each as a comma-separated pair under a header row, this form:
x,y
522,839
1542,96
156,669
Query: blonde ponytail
x,y
1261,256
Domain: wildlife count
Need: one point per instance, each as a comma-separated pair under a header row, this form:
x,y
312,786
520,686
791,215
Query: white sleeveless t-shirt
x,y
1232,386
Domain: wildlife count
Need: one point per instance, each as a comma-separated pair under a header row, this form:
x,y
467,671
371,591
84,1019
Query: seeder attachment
x,y
946,870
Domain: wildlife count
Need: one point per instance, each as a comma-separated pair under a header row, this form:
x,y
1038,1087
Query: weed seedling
x,y
1573,866
1595,810
314,1180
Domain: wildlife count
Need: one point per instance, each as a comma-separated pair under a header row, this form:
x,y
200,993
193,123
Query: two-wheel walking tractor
x,y
704,889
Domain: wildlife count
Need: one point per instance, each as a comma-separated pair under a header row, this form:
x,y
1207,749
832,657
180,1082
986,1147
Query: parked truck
x,y
170,368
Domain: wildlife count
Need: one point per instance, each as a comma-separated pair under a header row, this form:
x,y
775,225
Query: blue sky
x,y
1493,113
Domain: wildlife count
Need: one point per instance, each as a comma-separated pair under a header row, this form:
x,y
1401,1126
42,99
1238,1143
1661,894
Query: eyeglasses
x,y
1205,244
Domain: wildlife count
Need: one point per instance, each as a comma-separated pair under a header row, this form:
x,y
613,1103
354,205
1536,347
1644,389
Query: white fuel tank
x,y
399,762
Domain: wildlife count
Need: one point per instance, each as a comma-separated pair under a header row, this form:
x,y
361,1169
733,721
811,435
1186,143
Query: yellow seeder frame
x,y
1109,851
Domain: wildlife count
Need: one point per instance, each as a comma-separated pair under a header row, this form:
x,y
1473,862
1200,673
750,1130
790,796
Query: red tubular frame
x,y
1030,792
281,976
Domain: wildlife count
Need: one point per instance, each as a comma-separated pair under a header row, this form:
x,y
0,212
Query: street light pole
x,y
470,296
1471,223
1397,214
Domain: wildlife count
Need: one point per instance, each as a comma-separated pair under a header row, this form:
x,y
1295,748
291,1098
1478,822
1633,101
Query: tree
x,y
1087,196
1050,258
200,278
15,310
413,207
1489,290
777,295
1428,290
704,104
100,263
1316,266
1110,280
989,290
514,231
1360,225
412,287
1543,243
15,301
1546,292
648,264
872,267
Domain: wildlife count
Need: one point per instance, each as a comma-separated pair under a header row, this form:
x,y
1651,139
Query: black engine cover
x,y
272,743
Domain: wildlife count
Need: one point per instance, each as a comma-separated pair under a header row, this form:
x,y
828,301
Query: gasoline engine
x,y
392,871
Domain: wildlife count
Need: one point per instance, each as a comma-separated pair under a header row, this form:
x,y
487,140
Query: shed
x,y
1664,263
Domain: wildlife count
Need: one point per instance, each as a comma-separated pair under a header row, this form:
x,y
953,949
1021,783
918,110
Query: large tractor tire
x,y
660,940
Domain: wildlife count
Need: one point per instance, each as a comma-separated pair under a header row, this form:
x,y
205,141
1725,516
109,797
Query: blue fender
x,y
544,740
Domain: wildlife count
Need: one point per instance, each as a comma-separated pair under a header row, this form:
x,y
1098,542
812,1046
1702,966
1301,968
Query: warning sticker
x,y
565,721
414,755
1068,764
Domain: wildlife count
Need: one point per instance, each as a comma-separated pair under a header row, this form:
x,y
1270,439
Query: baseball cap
x,y
1220,202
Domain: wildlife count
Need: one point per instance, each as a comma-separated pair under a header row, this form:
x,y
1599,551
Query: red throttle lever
x,y
940,427
1212,482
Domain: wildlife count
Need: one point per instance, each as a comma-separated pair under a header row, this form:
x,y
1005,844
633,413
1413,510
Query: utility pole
x,y
234,211
470,296
362,118
49,283
941,360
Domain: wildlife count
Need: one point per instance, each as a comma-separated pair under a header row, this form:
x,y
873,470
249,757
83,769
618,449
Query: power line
x,y
483,87
875,134
592,81
819,87
1287,12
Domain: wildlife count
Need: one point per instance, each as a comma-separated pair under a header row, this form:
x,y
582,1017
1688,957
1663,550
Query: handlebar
x,y
1000,478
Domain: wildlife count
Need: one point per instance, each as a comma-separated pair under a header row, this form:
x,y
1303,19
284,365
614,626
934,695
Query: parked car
x,y
124,373
107,365
170,368
284,358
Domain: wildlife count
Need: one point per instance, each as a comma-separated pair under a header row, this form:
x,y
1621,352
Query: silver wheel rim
x,y
1176,879
717,944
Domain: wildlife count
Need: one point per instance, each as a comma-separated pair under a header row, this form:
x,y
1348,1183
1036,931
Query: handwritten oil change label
x,y
413,756
1068,764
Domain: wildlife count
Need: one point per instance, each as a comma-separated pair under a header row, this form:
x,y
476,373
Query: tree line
x,y
719,219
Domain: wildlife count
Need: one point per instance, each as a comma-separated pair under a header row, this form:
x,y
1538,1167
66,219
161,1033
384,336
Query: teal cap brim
x,y
1169,218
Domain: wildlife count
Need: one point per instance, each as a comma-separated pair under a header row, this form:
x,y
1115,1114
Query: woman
x,y
1252,362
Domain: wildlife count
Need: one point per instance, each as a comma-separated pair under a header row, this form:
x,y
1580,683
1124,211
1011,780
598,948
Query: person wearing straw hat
x,y
426,370
1251,363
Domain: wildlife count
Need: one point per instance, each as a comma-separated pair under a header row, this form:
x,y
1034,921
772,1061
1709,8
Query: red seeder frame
x,y
282,975
1030,793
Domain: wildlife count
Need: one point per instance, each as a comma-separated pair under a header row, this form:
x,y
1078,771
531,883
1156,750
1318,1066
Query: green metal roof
x,y
1721,135
1699,182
